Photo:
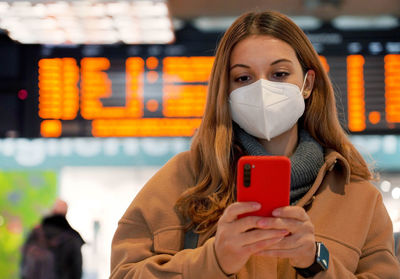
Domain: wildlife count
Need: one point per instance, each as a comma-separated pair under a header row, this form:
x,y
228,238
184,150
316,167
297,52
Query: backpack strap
x,y
191,240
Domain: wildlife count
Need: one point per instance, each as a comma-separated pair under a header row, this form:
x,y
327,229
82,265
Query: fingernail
x,y
276,212
256,205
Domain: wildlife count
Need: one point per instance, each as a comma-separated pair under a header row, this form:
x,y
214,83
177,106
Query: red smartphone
x,y
263,179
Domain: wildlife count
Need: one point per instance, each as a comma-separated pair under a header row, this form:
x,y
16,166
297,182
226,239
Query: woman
x,y
268,95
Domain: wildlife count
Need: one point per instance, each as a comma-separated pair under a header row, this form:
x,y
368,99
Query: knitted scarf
x,y
306,161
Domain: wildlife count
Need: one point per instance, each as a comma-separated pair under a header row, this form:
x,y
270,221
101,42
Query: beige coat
x,y
348,215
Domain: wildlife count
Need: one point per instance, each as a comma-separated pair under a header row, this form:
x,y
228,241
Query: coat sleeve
x,y
377,259
134,255
148,242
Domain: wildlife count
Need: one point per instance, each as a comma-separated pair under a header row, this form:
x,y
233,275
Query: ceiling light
x,y
385,186
4,6
58,8
365,22
118,8
213,24
396,193
307,22
77,22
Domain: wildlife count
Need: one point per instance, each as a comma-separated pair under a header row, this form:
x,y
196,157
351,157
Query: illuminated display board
x,y
160,91
163,98
174,97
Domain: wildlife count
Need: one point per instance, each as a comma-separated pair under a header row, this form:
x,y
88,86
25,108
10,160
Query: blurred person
x,y
53,248
268,95
398,252
397,247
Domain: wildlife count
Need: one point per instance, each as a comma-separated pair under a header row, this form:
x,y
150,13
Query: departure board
x,y
368,90
136,97
160,90
166,97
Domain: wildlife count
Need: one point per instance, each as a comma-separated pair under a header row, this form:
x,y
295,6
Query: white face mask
x,y
266,109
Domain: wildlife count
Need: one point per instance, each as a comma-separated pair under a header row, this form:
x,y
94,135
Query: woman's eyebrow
x,y
273,63
281,60
239,65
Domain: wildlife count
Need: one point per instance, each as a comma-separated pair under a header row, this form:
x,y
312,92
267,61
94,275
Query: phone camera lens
x,y
247,175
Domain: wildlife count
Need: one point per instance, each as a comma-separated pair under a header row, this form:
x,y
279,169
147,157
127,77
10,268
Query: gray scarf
x,y
305,162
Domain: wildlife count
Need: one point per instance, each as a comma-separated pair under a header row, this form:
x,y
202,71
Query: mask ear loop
x,y
304,83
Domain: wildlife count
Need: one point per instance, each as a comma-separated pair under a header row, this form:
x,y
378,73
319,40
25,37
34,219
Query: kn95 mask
x,y
266,109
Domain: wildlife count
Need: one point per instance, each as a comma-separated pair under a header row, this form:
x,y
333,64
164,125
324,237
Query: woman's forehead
x,y
262,47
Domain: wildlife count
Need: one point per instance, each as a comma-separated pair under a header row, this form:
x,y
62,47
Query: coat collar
x,y
334,163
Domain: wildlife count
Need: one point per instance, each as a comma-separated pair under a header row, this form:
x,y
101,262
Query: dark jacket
x,y
67,252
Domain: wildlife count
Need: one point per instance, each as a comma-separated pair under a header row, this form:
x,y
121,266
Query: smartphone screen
x,y
263,179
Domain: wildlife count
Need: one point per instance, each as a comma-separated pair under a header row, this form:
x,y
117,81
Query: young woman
x,y
268,95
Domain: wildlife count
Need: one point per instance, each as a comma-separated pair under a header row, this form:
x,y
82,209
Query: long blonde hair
x,y
213,147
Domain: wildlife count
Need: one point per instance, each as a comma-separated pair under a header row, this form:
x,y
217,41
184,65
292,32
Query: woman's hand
x,y
299,247
237,239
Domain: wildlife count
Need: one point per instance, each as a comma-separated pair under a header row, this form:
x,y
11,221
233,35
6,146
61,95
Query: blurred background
x,y
95,96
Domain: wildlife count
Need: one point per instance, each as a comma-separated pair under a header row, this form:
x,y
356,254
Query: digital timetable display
x,y
160,90
145,97
136,97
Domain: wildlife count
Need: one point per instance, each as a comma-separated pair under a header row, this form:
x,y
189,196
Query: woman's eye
x,y
242,79
280,75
